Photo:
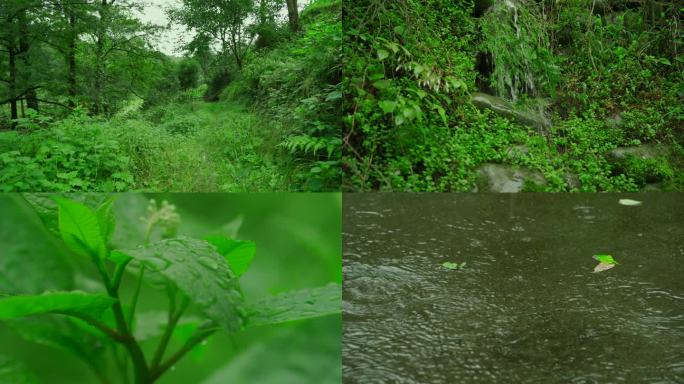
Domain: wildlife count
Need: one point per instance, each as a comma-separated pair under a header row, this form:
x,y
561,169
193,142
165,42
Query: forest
x,y
249,99
513,95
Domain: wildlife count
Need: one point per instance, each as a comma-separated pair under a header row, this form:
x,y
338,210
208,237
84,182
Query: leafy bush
x,y
75,154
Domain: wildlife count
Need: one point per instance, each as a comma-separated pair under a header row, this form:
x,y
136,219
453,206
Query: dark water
x,y
527,307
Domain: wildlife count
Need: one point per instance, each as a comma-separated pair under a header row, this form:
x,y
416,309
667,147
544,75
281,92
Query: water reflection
x,y
527,308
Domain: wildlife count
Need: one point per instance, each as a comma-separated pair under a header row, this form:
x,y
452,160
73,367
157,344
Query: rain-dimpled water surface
x,y
527,307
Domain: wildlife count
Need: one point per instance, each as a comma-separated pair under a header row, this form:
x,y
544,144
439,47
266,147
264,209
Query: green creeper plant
x,y
200,272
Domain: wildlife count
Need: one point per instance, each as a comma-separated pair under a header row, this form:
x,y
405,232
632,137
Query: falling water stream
x,y
527,306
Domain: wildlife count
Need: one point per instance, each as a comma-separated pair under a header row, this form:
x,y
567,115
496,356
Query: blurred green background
x,y
298,239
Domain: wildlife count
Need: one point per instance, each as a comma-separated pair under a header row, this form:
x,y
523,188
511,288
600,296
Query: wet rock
x,y
645,151
572,180
506,109
614,121
506,178
653,187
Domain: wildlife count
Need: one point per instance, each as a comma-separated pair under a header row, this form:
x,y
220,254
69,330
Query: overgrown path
x,y
216,147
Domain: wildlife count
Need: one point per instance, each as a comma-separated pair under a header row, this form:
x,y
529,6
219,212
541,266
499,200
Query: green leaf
x,y
332,96
307,352
67,334
296,305
57,302
382,54
238,253
387,106
32,261
80,228
442,114
11,371
608,259
105,219
382,84
199,271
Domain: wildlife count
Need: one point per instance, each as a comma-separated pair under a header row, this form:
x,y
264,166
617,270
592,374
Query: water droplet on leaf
x,y
208,262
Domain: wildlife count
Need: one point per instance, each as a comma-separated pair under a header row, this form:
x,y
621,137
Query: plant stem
x,y
112,333
134,303
142,373
195,339
168,332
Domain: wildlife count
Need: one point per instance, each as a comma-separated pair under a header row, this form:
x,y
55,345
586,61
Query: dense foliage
x,y
125,289
588,94
95,107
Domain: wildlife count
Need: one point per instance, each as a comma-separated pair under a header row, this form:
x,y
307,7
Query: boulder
x,y
506,178
645,151
507,109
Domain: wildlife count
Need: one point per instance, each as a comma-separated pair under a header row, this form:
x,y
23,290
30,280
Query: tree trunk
x,y
99,51
14,113
71,58
24,48
293,15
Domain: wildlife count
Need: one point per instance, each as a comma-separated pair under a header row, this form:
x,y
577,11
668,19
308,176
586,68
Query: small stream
x,y
527,307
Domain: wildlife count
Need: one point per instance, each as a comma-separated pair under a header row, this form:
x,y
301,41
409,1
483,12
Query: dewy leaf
x,y
296,305
629,202
200,272
238,253
80,228
57,302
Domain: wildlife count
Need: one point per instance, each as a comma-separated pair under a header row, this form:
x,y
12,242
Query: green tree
x,y
225,21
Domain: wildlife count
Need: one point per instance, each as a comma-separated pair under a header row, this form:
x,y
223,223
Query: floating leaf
x,y
606,262
453,266
608,259
603,267
296,305
199,271
629,202
56,302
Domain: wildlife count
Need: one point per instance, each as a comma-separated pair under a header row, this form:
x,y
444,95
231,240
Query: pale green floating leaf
x,y
603,267
453,266
629,202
